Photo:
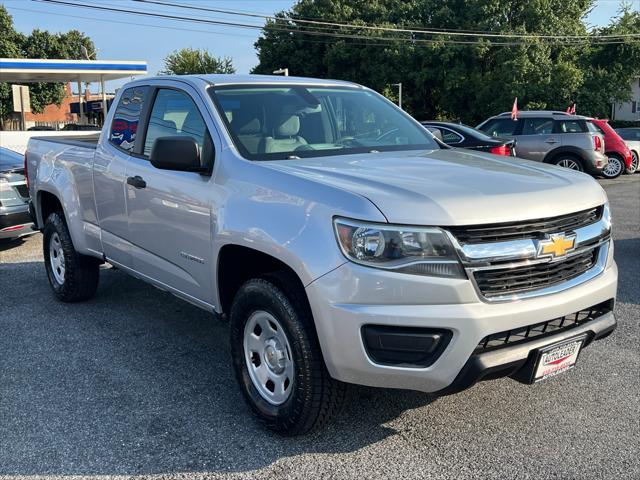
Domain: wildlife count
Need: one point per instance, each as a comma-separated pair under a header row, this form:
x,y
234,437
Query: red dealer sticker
x,y
558,358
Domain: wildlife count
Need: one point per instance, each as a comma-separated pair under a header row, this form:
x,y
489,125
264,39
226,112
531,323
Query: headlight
x,y
420,251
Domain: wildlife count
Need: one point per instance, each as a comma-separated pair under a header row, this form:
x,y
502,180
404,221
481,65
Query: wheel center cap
x,y
274,355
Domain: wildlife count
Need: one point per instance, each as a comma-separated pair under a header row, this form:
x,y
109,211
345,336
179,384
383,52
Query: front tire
x,y
277,357
634,164
614,167
73,277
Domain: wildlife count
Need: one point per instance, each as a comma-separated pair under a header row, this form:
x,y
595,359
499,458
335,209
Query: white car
x,y
631,136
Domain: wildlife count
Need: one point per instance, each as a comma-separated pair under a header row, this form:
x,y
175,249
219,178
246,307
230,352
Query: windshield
x,y
286,122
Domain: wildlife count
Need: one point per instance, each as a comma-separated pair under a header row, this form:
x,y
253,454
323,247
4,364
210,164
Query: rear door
x,y
109,173
536,138
169,212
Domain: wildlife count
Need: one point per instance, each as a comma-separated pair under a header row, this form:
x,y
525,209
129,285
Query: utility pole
x,y
282,71
399,85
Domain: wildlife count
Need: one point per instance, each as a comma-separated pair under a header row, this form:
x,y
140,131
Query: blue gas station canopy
x,y
26,70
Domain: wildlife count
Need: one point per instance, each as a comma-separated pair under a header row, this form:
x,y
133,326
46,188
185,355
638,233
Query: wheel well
x,y
49,204
237,264
552,157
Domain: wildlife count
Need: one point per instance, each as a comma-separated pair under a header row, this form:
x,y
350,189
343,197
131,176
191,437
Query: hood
x,y
452,187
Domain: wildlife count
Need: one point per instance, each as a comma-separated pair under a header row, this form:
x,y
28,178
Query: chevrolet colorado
x,y
342,241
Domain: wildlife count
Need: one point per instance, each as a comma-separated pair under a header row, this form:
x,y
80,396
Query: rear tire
x,y
570,162
614,167
634,164
73,277
277,358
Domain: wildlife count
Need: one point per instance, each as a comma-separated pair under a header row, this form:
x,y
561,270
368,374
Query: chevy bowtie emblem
x,y
556,246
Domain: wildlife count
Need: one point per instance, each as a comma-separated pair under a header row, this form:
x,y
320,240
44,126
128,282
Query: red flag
x,y
514,110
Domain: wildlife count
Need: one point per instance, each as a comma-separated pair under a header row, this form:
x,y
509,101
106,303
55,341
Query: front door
x,y
170,222
537,138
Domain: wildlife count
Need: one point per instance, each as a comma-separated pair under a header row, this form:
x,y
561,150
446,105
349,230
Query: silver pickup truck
x,y
340,240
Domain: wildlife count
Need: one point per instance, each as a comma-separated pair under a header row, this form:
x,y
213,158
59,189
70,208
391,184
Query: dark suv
x,y
552,137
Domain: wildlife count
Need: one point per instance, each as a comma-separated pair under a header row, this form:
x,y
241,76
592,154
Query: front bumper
x,y
351,296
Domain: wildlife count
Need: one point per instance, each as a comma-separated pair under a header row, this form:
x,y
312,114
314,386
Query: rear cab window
x,y
124,127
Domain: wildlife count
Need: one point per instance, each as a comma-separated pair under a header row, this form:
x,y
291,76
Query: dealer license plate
x,y
558,358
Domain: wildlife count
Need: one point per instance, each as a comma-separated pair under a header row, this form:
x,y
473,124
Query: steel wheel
x,y
56,258
268,357
570,163
614,167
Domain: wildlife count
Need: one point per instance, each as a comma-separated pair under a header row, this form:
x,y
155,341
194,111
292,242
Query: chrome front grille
x,y
511,261
497,282
500,232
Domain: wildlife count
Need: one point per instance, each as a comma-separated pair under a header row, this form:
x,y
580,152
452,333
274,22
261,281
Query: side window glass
x,y
500,126
450,137
175,114
570,126
125,119
537,126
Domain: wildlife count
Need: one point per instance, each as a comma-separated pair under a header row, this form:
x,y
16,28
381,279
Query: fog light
x,y
404,346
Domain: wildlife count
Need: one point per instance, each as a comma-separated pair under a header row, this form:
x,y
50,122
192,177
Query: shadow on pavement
x,y
627,255
138,382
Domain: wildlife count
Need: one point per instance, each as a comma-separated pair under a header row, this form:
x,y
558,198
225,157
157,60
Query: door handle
x,y
137,182
551,140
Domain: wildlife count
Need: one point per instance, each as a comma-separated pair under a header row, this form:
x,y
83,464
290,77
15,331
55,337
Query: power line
x,y
388,29
306,32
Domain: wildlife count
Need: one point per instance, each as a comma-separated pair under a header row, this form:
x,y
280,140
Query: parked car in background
x,y
77,127
41,128
15,220
343,243
463,136
631,136
615,148
552,137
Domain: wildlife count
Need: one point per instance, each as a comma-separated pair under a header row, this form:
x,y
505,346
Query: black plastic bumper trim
x,y
510,360
14,219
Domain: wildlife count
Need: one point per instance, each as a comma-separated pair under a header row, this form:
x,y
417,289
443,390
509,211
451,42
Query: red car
x,y
615,149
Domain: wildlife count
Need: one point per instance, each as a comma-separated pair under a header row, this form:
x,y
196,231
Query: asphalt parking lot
x,y
138,383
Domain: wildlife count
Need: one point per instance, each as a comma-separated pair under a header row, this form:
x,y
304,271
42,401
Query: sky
x,y
151,39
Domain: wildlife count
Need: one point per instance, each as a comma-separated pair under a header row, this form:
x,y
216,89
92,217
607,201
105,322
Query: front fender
x,y
286,217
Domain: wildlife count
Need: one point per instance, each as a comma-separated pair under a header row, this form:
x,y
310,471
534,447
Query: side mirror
x,y
436,133
180,153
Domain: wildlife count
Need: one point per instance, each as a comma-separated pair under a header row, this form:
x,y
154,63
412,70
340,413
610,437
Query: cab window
x,y
174,113
124,126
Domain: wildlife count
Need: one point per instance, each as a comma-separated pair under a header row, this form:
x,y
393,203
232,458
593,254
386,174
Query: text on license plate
x,y
557,359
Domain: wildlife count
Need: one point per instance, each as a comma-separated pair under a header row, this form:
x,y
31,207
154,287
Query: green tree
x,y
189,61
609,69
39,44
442,79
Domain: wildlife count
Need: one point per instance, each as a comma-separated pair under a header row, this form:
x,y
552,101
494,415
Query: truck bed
x,y
86,141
